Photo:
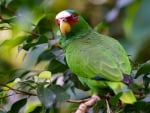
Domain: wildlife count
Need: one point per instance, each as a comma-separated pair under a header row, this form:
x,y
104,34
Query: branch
x,y
17,90
86,103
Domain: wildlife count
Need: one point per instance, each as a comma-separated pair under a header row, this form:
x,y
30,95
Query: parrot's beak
x,y
65,27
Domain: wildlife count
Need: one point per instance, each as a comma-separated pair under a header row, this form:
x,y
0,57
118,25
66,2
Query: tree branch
x,y
17,90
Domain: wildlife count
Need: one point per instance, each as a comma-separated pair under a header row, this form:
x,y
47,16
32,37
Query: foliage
x,y
39,64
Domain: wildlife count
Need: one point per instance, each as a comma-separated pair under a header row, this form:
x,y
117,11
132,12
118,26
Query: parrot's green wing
x,y
97,55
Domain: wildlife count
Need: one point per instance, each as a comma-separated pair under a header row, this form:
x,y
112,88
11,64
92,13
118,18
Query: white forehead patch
x,y
62,14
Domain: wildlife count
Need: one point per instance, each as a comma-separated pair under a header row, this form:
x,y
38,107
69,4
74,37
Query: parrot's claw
x,y
127,79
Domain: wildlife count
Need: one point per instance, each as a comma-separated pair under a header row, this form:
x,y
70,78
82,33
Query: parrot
x,y
99,61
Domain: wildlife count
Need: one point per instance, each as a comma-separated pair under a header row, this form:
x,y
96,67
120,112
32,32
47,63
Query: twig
x,y
78,101
17,90
8,96
108,107
33,33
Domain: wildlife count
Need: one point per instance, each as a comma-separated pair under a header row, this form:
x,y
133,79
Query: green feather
x,y
90,54
95,54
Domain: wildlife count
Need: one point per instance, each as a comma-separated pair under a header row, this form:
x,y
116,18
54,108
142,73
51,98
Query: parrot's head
x,y
71,24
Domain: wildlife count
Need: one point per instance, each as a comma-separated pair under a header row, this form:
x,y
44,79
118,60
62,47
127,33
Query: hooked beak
x,y
65,27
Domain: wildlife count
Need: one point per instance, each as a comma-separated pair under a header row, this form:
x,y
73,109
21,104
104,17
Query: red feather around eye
x,y
70,19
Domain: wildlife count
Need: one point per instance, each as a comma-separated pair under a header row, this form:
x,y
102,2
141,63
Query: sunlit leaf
x,y
38,109
13,42
33,106
45,74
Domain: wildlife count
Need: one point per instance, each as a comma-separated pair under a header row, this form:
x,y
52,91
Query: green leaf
x,y
60,92
55,66
38,109
99,104
18,105
13,41
37,41
46,96
146,81
45,74
31,58
46,55
115,99
144,69
101,27
33,107
138,107
43,26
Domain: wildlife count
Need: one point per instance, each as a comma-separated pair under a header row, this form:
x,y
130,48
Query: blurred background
x,y
125,20
28,32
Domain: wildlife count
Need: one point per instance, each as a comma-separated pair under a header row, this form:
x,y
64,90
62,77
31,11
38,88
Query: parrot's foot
x,y
85,104
127,79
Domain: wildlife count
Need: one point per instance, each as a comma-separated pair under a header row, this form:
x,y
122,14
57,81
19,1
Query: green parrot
x,y
99,61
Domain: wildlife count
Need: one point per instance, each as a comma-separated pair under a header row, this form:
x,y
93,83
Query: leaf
x,y
144,69
115,99
102,27
146,81
37,41
13,41
99,104
33,107
46,96
43,26
45,74
46,55
60,92
18,105
31,58
38,109
138,107
55,66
